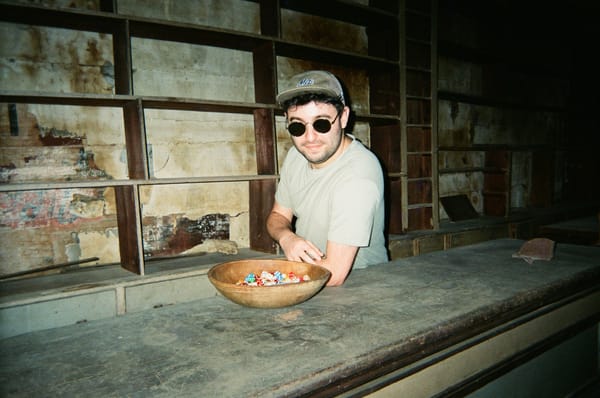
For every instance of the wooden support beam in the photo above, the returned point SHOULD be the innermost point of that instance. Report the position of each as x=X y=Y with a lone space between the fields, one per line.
x=129 y=225
x=262 y=195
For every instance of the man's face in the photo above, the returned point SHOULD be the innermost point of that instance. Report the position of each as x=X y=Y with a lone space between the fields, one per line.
x=320 y=149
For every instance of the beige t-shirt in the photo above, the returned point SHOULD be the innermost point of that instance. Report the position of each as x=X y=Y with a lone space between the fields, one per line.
x=342 y=202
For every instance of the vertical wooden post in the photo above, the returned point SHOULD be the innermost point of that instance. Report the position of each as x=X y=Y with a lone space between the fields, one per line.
x=127 y=197
x=129 y=224
x=270 y=18
x=264 y=132
x=403 y=114
x=542 y=179
x=128 y=204
x=262 y=192
x=122 y=59
x=265 y=74
x=435 y=194
x=135 y=140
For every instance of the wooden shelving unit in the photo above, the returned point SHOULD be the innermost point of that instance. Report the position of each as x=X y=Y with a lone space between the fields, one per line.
x=512 y=85
x=400 y=65
x=496 y=183
x=419 y=139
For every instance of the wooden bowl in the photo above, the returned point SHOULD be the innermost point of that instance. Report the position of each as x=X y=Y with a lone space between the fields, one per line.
x=225 y=276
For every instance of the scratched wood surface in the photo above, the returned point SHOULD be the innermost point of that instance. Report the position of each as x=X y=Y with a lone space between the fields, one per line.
x=214 y=347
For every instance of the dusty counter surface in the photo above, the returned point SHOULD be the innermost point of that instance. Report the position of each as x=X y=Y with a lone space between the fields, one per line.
x=382 y=318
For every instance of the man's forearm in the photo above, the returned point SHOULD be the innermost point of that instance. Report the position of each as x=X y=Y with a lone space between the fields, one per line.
x=278 y=226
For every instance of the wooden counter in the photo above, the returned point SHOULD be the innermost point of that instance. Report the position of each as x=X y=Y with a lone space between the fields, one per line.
x=579 y=231
x=420 y=310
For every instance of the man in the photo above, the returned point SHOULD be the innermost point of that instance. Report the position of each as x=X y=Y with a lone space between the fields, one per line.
x=330 y=182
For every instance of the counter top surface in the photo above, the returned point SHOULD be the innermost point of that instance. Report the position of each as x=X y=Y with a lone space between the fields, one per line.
x=391 y=313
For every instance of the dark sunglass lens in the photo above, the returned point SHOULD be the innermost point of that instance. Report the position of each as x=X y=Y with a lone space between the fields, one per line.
x=296 y=129
x=322 y=125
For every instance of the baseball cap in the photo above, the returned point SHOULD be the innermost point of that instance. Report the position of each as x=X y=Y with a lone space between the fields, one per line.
x=314 y=81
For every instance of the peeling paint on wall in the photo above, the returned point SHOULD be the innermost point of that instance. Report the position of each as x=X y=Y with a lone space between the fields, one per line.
x=48 y=227
x=51 y=136
x=196 y=200
x=50 y=208
x=171 y=235
x=61 y=143
x=84 y=206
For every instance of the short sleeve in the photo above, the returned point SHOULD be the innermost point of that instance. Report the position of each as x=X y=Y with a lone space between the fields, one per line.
x=353 y=209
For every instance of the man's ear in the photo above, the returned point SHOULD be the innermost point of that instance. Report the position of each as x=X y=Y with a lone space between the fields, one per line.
x=345 y=116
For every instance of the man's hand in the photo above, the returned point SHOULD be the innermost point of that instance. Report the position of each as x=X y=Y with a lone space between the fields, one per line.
x=339 y=261
x=339 y=257
x=299 y=249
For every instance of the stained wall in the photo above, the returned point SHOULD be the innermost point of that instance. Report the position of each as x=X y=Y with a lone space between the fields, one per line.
x=58 y=143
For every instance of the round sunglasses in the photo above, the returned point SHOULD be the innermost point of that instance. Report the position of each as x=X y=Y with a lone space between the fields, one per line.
x=320 y=125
